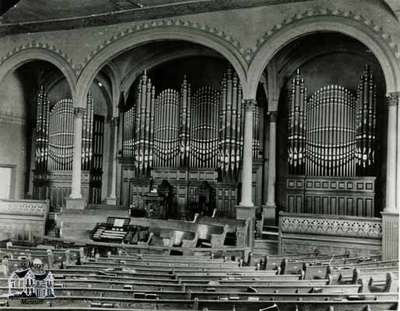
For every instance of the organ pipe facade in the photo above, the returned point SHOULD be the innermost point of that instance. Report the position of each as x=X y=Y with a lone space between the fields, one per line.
x=333 y=132
x=331 y=149
x=54 y=132
x=203 y=129
x=187 y=137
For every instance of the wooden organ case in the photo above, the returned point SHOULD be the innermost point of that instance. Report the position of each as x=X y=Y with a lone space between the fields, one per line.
x=53 y=139
x=190 y=139
x=331 y=149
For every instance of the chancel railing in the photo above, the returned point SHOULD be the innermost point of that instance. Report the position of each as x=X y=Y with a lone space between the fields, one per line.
x=186 y=137
x=54 y=134
x=307 y=233
x=331 y=148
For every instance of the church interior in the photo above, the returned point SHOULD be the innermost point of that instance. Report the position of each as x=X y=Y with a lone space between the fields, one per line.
x=206 y=155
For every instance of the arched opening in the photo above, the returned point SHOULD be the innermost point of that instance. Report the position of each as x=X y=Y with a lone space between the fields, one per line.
x=38 y=159
x=180 y=122
x=20 y=89
x=328 y=92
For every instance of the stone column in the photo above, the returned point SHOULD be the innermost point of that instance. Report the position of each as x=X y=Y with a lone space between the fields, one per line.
x=246 y=209
x=247 y=166
x=75 y=200
x=390 y=215
x=269 y=212
x=112 y=196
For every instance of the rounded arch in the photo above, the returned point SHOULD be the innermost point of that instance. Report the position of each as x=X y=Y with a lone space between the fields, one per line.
x=25 y=56
x=346 y=26
x=160 y=34
x=154 y=61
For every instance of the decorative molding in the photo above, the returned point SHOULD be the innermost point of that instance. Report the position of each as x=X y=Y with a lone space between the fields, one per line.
x=38 y=45
x=11 y=118
x=338 y=226
x=163 y=24
x=273 y=116
x=24 y=207
x=114 y=121
x=79 y=112
x=393 y=99
x=250 y=53
x=249 y=104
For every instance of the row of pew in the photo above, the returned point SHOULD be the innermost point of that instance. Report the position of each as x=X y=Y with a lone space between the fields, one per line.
x=95 y=280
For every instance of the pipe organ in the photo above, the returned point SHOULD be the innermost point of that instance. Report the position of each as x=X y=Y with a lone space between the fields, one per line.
x=331 y=148
x=186 y=137
x=54 y=147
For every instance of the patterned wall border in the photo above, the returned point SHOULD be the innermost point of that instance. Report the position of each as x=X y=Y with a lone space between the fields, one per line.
x=24 y=207
x=340 y=226
x=162 y=24
x=38 y=45
x=250 y=53
x=247 y=53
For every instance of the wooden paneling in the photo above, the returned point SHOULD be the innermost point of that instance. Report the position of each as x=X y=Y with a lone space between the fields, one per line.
x=331 y=195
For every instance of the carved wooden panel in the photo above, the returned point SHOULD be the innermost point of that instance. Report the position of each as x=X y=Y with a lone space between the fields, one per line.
x=302 y=233
x=23 y=219
x=331 y=195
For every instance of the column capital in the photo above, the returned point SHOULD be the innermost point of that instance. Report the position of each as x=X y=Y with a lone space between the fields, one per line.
x=79 y=112
x=273 y=116
x=393 y=99
x=114 y=121
x=249 y=104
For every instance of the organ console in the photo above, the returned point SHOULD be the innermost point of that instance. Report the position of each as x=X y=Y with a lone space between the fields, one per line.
x=331 y=148
x=186 y=137
x=114 y=230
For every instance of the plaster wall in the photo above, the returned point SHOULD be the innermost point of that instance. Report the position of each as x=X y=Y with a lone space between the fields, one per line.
x=12 y=129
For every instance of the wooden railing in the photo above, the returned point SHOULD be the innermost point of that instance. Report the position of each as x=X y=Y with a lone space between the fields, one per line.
x=329 y=234
x=23 y=219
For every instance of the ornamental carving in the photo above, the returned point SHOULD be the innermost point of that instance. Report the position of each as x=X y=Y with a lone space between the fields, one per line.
x=38 y=45
x=250 y=53
x=332 y=226
x=25 y=208
x=162 y=24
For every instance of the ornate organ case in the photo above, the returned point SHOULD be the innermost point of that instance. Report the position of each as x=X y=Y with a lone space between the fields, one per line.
x=331 y=149
x=53 y=142
x=186 y=138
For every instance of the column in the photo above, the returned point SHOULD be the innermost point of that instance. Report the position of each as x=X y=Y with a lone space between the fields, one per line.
x=269 y=211
x=390 y=214
x=246 y=209
x=75 y=200
x=112 y=197
x=247 y=166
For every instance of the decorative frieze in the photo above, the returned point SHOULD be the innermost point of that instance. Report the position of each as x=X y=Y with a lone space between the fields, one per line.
x=24 y=207
x=331 y=225
x=393 y=99
x=311 y=13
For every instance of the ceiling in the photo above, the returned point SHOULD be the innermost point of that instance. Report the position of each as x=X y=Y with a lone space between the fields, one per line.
x=18 y=16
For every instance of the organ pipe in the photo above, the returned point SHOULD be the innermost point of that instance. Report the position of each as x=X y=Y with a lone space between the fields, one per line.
x=333 y=132
x=366 y=123
x=203 y=129
x=42 y=130
x=296 y=139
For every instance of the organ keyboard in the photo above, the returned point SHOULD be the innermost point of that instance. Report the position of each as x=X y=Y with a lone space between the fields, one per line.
x=114 y=230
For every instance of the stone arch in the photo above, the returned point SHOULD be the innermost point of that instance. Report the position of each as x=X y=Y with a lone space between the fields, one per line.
x=155 y=61
x=24 y=56
x=373 y=40
x=135 y=39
